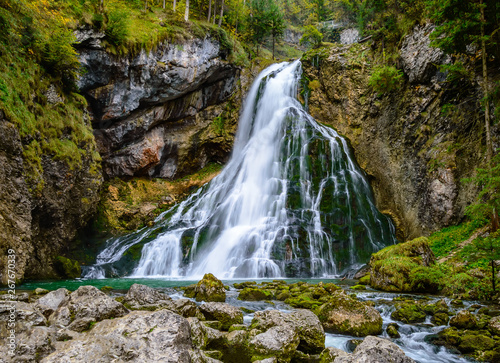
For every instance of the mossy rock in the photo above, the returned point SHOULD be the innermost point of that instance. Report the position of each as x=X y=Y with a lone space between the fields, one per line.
x=409 y=313
x=358 y=287
x=283 y=295
x=242 y=285
x=106 y=289
x=40 y=291
x=237 y=327
x=392 y=330
x=254 y=294
x=304 y=301
x=208 y=289
x=440 y=319
x=464 y=320
x=68 y=268
x=345 y=314
x=365 y=280
x=473 y=342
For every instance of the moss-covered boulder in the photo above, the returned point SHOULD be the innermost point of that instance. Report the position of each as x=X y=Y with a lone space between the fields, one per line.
x=345 y=314
x=255 y=294
x=303 y=301
x=329 y=354
x=494 y=326
x=210 y=288
x=391 y=268
x=392 y=330
x=279 y=341
x=477 y=343
x=68 y=268
x=409 y=312
x=242 y=285
x=440 y=319
x=224 y=313
x=464 y=320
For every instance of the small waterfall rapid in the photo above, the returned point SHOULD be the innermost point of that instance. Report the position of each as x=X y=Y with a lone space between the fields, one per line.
x=291 y=202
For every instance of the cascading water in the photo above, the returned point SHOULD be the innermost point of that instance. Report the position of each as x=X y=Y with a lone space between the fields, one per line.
x=290 y=202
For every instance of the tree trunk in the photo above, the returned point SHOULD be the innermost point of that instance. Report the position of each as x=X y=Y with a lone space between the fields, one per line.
x=175 y=4
x=186 y=13
x=493 y=276
x=273 y=45
x=145 y=5
x=164 y=1
x=209 y=11
x=489 y=144
x=221 y=13
x=215 y=10
x=101 y=7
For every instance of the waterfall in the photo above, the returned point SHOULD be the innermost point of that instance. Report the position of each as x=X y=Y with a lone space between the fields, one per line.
x=291 y=202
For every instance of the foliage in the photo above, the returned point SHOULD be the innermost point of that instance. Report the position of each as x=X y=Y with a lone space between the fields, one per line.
x=385 y=79
x=488 y=199
x=117 y=29
x=312 y=36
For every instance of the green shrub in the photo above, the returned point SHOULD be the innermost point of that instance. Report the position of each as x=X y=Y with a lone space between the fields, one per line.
x=385 y=79
x=117 y=29
x=312 y=36
x=58 y=55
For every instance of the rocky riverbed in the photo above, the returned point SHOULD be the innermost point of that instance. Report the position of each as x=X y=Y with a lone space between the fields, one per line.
x=272 y=321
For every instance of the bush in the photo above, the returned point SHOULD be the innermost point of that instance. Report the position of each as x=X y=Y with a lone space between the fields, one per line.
x=58 y=54
x=117 y=29
x=312 y=36
x=385 y=79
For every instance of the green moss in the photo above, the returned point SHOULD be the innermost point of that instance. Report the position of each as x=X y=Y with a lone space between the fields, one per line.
x=409 y=313
x=254 y=294
x=365 y=280
x=358 y=287
x=68 y=268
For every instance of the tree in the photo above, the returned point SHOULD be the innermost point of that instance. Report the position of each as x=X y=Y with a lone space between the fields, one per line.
x=186 y=12
x=488 y=248
x=276 y=23
x=221 y=13
x=312 y=36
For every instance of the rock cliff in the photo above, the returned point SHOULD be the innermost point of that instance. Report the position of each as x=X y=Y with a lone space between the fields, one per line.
x=416 y=143
x=153 y=112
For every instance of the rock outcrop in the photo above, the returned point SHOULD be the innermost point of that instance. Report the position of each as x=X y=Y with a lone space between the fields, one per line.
x=414 y=143
x=153 y=112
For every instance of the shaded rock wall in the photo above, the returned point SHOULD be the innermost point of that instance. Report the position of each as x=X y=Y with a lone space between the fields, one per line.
x=38 y=225
x=417 y=143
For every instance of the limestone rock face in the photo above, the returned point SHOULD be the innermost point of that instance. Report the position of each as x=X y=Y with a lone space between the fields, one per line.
x=147 y=108
x=52 y=301
x=418 y=57
x=374 y=349
x=141 y=336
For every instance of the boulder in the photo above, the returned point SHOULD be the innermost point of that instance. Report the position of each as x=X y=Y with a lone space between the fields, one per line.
x=254 y=294
x=464 y=320
x=494 y=326
x=51 y=301
x=409 y=312
x=329 y=354
x=210 y=288
x=374 y=349
x=226 y=314
x=142 y=297
x=186 y=308
x=392 y=330
x=304 y=322
x=87 y=304
x=278 y=341
x=205 y=337
x=141 y=336
x=25 y=315
x=344 y=314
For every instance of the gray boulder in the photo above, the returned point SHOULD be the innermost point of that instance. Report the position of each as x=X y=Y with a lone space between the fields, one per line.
x=279 y=341
x=374 y=349
x=141 y=336
x=85 y=305
x=142 y=297
x=52 y=301
x=305 y=323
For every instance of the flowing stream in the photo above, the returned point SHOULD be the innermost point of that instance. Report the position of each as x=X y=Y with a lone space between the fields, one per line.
x=291 y=202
